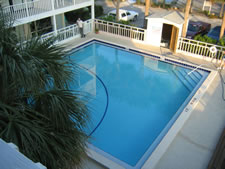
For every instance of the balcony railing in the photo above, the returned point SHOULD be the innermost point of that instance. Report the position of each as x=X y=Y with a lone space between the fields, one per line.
x=68 y=32
x=34 y=7
x=121 y=30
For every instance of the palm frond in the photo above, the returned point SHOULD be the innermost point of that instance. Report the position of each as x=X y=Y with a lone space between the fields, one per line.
x=38 y=111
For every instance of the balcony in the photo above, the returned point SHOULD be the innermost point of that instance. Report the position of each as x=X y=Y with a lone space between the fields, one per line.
x=34 y=7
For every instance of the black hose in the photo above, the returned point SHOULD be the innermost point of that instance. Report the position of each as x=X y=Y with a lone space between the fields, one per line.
x=107 y=98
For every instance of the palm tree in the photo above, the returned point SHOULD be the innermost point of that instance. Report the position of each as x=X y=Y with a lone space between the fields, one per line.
x=117 y=10
x=164 y=3
x=147 y=6
x=38 y=111
x=222 y=7
x=222 y=13
x=187 y=9
x=222 y=26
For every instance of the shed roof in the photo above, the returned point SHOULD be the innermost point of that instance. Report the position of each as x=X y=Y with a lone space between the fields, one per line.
x=172 y=16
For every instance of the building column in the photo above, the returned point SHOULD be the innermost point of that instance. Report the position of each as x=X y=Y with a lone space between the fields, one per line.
x=54 y=24
x=93 y=16
x=27 y=33
x=93 y=11
x=63 y=20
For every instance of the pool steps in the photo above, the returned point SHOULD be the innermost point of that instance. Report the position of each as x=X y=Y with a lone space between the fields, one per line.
x=191 y=80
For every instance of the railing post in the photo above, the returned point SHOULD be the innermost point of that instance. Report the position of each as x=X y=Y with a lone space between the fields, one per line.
x=93 y=11
x=26 y=8
x=54 y=24
x=53 y=4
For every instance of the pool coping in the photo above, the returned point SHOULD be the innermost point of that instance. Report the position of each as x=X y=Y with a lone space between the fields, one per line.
x=155 y=156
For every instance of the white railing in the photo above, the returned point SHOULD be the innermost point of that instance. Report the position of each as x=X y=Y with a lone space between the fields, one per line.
x=199 y=48
x=23 y=10
x=81 y=1
x=121 y=30
x=63 y=3
x=47 y=36
x=34 y=7
x=38 y=6
x=68 y=32
x=16 y=11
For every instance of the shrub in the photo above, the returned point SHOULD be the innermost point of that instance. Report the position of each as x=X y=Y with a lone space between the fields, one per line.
x=108 y=18
x=98 y=11
x=113 y=19
x=222 y=42
x=138 y=2
x=125 y=22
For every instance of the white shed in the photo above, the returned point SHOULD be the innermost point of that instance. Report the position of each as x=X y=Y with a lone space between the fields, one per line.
x=164 y=28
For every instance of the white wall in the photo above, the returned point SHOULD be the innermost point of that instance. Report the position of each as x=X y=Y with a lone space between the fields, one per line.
x=10 y=158
x=60 y=21
x=154 y=30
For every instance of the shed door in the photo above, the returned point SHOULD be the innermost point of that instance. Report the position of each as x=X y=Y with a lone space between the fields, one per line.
x=173 y=40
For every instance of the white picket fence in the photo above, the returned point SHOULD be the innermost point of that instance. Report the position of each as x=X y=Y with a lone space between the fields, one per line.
x=68 y=32
x=34 y=7
x=198 y=48
x=121 y=30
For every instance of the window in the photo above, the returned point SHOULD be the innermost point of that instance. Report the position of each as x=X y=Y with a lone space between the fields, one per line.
x=123 y=14
x=128 y=13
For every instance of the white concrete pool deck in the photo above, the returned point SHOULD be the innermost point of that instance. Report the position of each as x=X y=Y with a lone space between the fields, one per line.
x=194 y=145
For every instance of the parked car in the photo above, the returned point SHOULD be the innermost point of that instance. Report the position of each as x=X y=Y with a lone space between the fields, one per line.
x=196 y=28
x=215 y=33
x=125 y=15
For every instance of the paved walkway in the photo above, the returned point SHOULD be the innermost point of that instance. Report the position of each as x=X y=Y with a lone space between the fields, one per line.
x=193 y=146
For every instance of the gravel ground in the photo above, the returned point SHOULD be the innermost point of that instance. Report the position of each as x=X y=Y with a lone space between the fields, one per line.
x=108 y=6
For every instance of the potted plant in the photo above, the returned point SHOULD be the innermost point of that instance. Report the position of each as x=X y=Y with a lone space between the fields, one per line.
x=96 y=30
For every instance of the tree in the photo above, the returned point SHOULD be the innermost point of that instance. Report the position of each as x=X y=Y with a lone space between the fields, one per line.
x=147 y=6
x=164 y=3
x=38 y=111
x=222 y=8
x=187 y=9
x=117 y=10
x=222 y=26
x=223 y=17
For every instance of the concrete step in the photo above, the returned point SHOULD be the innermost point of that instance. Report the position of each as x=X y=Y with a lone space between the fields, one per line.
x=189 y=80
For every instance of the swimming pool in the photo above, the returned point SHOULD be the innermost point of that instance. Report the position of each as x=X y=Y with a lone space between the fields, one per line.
x=134 y=99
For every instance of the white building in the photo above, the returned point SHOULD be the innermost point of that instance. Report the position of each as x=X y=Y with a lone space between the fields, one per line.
x=47 y=17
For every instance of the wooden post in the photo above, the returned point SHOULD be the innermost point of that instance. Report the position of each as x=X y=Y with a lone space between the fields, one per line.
x=147 y=5
x=222 y=7
x=222 y=26
x=187 y=9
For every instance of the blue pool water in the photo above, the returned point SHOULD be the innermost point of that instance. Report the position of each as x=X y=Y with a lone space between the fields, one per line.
x=134 y=98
